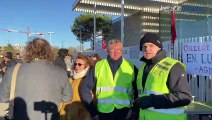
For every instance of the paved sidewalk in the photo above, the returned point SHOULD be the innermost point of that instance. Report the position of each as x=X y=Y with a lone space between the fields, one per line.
x=196 y=117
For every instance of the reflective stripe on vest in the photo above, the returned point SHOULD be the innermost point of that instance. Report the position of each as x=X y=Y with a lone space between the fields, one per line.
x=157 y=77
x=116 y=88
x=169 y=111
x=179 y=110
x=119 y=101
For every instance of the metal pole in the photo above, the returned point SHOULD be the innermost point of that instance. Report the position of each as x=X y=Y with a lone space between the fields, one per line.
x=28 y=32
x=50 y=37
x=82 y=46
x=80 y=41
x=94 y=29
x=122 y=21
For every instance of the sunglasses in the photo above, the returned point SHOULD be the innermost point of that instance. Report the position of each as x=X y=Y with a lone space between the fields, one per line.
x=79 y=64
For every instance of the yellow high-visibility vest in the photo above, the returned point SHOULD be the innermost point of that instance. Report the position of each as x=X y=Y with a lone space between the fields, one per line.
x=156 y=84
x=114 y=92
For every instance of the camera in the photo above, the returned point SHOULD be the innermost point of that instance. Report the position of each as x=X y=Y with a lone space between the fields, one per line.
x=45 y=107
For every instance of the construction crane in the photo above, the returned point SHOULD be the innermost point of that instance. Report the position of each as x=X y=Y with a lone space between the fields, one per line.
x=24 y=32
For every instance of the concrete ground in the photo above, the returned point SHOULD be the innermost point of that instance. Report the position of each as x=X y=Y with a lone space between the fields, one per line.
x=196 y=117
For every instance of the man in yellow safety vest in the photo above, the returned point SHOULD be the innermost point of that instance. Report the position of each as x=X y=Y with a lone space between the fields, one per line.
x=114 y=82
x=163 y=89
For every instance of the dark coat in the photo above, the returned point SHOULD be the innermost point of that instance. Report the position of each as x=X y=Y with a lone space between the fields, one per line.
x=59 y=61
x=180 y=93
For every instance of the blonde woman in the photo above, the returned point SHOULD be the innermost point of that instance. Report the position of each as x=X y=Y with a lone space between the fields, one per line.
x=75 y=110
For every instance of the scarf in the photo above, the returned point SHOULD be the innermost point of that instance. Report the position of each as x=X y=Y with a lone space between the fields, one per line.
x=80 y=74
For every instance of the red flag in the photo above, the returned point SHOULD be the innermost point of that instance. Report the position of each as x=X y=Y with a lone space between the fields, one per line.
x=173 y=28
x=104 y=44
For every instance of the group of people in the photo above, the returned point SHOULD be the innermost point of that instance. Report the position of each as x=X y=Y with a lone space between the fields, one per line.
x=108 y=89
x=66 y=61
x=159 y=90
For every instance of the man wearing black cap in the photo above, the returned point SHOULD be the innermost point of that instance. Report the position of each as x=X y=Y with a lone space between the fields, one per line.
x=162 y=83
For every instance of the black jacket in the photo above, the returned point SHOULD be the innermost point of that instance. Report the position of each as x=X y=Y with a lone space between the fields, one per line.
x=59 y=61
x=9 y=64
x=180 y=94
x=89 y=84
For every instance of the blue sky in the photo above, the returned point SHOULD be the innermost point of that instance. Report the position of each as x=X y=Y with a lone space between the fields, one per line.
x=41 y=16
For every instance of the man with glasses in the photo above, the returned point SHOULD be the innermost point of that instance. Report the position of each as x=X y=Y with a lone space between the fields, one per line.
x=113 y=81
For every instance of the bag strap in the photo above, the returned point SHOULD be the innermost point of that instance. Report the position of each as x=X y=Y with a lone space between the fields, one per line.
x=12 y=89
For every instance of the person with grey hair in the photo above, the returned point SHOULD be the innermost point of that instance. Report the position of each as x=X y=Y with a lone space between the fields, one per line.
x=40 y=85
x=114 y=84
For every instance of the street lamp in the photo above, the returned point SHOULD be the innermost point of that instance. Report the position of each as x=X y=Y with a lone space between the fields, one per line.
x=81 y=40
x=50 y=37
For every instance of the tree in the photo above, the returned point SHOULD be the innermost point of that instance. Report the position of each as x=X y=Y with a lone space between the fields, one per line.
x=9 y=48
x=72 y=50
x=55 y=50
x=83 y=27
